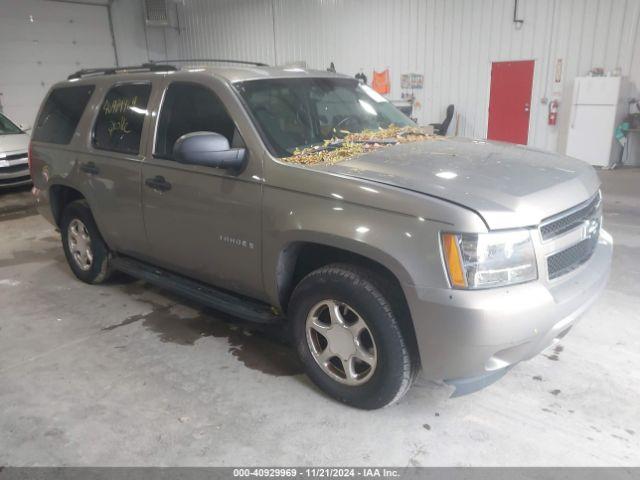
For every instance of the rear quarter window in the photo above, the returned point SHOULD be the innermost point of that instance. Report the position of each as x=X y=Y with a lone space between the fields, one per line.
x=61 y=113
x=118 y=127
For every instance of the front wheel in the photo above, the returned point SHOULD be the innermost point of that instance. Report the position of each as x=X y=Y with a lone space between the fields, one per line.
x=348 y=338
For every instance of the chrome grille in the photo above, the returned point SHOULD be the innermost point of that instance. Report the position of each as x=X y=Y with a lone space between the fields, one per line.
x=566 y=221
x=11 y=181
x=580 y=230
x=14 y=156
x=14 y=168
x=571 y=258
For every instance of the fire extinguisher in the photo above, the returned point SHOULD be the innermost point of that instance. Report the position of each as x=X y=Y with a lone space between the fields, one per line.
x=553 y=112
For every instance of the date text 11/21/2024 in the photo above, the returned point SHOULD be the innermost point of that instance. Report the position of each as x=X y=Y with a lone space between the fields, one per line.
x=319 y=472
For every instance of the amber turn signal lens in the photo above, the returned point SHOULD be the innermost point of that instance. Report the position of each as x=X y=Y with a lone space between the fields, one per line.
x=453 y=259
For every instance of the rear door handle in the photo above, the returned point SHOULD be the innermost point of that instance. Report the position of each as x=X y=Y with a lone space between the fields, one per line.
x=90 y=168
x=158 y=183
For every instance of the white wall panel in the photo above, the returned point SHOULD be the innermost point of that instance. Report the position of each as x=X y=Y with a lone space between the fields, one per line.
x=452 y=42
x=41 y=43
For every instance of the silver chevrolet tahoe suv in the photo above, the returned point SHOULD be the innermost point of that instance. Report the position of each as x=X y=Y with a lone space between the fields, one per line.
x=452 y=258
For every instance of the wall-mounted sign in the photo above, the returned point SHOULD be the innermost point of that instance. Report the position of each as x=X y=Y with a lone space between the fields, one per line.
x=558 y=75
x=411 y=81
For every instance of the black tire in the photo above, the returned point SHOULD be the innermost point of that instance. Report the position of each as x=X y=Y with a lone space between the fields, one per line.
x=361 y=290
x=100 y=268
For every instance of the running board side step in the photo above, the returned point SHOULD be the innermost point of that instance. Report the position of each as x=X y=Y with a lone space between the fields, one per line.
x=243 y=307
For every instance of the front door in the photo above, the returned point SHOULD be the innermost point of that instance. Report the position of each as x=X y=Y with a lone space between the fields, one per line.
x=202 y=222
x=510 y=101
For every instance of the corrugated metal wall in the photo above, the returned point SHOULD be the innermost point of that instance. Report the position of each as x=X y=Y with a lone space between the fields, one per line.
x=452 y=42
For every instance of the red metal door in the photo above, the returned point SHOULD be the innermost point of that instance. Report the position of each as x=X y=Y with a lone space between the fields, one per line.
x=510 y=101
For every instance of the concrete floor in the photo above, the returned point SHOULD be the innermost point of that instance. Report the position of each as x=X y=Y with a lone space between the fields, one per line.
x=124 y=374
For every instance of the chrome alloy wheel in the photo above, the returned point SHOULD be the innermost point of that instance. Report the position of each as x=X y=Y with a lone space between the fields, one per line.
x=80 y=244
x=341 y=342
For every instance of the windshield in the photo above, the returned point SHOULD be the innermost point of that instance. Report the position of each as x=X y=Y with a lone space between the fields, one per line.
x=296 y=113
x=7 y=127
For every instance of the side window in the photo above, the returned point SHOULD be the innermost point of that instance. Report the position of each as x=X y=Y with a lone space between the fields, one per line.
x=118 y=127
x=61 y=113
x=187 y=108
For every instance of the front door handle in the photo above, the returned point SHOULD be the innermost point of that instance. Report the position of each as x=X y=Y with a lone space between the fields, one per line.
x=158 y=183
x=90 y=168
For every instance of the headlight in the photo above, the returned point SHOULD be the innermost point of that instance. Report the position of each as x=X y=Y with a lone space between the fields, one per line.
x=483 y=260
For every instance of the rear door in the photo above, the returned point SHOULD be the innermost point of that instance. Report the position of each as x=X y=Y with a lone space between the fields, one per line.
x=109 y=170
x=203 y=222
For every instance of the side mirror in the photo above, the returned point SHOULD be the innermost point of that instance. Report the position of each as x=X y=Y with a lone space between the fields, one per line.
x=25 y=127
x=208 y=149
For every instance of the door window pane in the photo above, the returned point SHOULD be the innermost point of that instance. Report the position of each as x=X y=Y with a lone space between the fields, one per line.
x=61 y=113
x=119 y=124
x=188 y=108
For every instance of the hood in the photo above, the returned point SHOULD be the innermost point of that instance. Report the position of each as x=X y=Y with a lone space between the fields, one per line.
x=17 y=143
x=508 y=185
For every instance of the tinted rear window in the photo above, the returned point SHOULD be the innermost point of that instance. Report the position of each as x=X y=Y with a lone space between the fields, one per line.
x=119 y=124
x=61 y=113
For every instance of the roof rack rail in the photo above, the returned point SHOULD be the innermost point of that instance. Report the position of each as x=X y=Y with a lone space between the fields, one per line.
x=145 y=67
x=215 y=60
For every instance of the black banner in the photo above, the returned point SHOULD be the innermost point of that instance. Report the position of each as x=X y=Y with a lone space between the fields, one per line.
x=214 y=473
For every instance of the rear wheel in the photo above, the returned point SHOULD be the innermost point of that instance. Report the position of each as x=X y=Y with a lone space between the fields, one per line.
x=348 y=337
x=85 y=250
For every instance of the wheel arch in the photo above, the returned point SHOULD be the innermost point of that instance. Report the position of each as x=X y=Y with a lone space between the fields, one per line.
x=60 y=196
x=299 y=258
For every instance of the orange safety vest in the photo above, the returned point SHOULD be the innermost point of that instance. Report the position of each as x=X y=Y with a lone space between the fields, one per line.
x=381 y=82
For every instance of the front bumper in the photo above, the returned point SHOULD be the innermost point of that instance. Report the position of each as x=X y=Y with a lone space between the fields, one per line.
x=14 y=173
x=464 y=335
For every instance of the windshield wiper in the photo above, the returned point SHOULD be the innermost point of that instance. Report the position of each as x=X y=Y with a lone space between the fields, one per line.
x=321 y=146
x=339 y=142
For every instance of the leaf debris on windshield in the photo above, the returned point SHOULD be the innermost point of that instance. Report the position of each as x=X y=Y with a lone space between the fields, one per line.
x=336 y=150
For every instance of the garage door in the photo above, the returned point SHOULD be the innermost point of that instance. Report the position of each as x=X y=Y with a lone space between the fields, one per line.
x=41 y=42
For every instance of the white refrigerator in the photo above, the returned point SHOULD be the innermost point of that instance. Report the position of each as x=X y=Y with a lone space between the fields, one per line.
x=599 y=104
